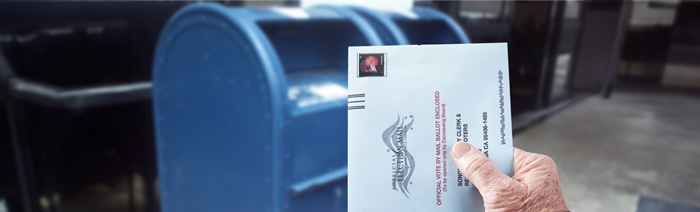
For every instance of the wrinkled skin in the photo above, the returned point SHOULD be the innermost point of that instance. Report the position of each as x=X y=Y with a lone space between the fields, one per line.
x=533 y=187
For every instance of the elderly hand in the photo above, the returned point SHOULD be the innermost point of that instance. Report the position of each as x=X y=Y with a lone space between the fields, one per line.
x=533 y=187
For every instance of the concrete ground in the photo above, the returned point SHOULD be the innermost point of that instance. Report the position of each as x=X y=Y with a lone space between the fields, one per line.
x=611 y=152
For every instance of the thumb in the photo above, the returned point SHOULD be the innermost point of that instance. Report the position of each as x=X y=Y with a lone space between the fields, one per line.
x=476 y=167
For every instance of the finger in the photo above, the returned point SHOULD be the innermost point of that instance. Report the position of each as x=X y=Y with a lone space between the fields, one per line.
x=517 y=151
x=481 y=171
x=518 y=159
x=524 y=162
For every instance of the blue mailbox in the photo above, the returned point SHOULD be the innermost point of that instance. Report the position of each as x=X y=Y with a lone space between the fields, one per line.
x=417 y=26
x=250 y=107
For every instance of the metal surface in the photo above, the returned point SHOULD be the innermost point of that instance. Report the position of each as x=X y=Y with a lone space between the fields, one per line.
x=597 y=53
x=12 y=86
x=417 y=26
x=28 y=192
x=614 y=61
x=250 y=106
x=321 y=181
x=56 y=97
x=81 y=58
x=24 y=176
x=554 y=22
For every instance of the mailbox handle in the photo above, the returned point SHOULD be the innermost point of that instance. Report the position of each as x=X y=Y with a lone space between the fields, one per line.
x=320 y=181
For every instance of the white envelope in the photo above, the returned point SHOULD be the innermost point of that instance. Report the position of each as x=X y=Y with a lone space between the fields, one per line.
x=407 y=106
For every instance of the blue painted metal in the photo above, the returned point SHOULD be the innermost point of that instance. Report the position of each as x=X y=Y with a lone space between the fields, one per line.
x=417 y=26
x=250 y=107
x=249 y=102
x=320 y=181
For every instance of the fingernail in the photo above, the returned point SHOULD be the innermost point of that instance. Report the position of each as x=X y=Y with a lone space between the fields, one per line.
x=460 y=149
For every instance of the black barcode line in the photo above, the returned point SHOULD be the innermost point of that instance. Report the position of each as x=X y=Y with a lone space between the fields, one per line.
x=356 y=107
x=356 y=95
x=356 y=101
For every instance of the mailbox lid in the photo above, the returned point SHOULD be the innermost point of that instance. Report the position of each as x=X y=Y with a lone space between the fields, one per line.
x=417 y=26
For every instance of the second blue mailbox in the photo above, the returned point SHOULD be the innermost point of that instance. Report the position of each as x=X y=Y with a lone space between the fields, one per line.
x=250 y=107
x=416 y=26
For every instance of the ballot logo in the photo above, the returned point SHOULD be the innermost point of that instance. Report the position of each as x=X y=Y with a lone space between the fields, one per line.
x=402 y=163
x=371 y=65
